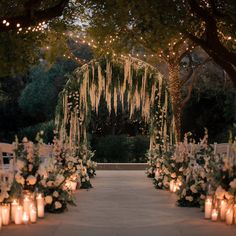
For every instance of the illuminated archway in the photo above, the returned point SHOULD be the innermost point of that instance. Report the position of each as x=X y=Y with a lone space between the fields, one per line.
x=118 y=79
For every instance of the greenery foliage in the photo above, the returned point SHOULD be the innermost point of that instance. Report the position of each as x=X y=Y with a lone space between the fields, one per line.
x=129 y=149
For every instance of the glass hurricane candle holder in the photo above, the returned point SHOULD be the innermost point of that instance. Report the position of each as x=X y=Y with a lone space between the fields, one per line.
x=214 y=215
x=18 y=215
x=25 y=218
x=208 y=207
x=0 y=217
x=33 y=214
x=223 y=208
x=5 y=214
x=40 y=205
x=172 y=183
x=14 y=205
x=229 y=217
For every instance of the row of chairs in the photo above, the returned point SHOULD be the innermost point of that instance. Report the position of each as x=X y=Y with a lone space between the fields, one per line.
x=7 y=158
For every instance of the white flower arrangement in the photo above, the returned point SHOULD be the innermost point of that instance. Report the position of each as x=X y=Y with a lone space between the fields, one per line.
x=27 y=163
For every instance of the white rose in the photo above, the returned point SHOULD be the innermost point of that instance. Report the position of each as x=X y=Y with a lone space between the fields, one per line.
x=55 y=194
x=173 y=175
x=202 y=196
x=57 y=205
x=43 y=182
x=193 y=188
x=48 y=199
x=59 y=179
x=30 y=166
x=31 y=180
x=24 y=140
x=19 y=179
x=233 y=184
x=189 y=198
x=50 y=183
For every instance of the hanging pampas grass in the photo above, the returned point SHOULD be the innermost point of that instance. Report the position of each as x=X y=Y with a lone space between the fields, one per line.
x=91 y=82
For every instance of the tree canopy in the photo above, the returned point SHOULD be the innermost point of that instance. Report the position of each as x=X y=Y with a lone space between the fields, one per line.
x=157 y=25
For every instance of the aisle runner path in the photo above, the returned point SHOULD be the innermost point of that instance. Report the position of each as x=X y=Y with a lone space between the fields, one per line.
x=123 y=203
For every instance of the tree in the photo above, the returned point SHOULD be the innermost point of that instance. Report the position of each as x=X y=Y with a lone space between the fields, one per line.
x=208 y=23
x=32 y=30
x=161 y=28
x=39 y=97
x=20 y=14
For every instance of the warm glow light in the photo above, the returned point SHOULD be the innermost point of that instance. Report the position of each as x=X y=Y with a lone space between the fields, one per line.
x=25 y=218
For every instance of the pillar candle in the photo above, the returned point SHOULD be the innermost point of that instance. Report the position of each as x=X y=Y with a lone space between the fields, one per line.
x=229 y=216
x=33 y=214
x=26 y=205
x=174 y=187
x=25 y=218
x=14 y=205
x=40 y=205
x=18 y=215
x=0 y=217
x=208 y=207
x=5 y=214
x=235 y=213
x=73 y=185
x=223 y=209
x=214 y=215
x=172 y=182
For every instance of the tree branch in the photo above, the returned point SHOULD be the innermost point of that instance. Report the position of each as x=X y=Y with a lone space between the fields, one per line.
x=33 y=16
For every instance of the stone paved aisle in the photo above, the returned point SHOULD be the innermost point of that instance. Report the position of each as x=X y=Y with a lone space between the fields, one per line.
x=123 y=203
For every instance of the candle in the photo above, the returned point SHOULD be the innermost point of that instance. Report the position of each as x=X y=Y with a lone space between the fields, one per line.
x=18 y=215
x=73 y=185
x=25 y=218
x=5 y=214
x=0 y=217
x=208 y=207
x=172 y=182
x=14 y=205
x=214 y=215
x=40 y=205
x=33 y=214
x=235 y=213
x=174 y=188
x=26 y=205
x=229 y=216
x=223 y=209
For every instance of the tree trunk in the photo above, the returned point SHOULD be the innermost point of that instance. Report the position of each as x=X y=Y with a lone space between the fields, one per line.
x=174 y=88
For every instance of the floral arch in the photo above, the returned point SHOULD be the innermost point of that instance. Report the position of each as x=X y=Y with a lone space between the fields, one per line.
x=117 y=79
